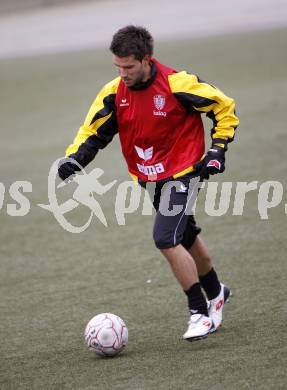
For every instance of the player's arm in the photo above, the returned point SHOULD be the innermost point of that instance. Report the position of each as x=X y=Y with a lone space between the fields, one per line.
x=198 y=96
x=96 y=133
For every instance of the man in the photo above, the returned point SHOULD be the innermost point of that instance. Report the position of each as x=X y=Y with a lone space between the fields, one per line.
x=157 y=113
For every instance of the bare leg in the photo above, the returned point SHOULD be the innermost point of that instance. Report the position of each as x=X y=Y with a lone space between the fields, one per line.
x=199 y=253
x=182 y=265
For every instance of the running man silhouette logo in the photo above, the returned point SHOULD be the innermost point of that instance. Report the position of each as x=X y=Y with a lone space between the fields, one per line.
x=88 y=185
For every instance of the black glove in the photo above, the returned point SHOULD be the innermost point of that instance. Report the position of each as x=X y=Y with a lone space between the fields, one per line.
x=212 y=163
x=67 y=168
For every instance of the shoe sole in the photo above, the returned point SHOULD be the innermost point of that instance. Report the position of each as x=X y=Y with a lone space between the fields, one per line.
x=190 y=339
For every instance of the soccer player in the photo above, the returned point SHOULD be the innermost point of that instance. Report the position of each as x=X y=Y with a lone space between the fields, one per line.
x=156 y=111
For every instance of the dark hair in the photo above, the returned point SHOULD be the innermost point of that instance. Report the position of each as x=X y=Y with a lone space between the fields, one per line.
x=132 y=40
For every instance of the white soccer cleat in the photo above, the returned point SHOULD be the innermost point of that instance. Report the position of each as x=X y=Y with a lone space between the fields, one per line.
x=199 y=326
x=215 y=307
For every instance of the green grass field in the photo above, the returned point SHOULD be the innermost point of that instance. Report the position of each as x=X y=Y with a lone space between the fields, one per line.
x=52 y=282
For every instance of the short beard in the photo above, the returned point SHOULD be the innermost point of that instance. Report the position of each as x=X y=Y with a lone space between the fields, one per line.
x=140 y=78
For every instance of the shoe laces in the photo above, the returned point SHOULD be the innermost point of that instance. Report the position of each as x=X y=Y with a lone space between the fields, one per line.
x=194 y=318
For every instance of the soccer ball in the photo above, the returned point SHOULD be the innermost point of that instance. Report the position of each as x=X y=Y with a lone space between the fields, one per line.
x=106 y=334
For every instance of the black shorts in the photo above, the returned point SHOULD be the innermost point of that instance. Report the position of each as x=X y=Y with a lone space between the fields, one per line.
x=173 y=200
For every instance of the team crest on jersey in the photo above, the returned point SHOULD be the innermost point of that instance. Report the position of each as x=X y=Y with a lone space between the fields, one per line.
x=159 y=102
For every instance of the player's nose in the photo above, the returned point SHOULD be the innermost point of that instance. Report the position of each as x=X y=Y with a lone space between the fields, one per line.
x=123 y=73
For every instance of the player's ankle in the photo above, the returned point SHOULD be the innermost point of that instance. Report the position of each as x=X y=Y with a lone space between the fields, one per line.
x=196 y=300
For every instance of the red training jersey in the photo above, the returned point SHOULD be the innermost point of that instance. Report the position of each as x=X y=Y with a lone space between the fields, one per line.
x=159 y=123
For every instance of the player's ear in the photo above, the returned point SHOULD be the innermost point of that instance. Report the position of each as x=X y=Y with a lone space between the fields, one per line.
x=146 y=59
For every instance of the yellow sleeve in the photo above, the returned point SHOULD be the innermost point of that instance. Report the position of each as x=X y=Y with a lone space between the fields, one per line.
x=197 y=95
x=99 y=127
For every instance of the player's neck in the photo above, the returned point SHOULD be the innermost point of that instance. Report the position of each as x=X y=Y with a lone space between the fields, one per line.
x=147 y=73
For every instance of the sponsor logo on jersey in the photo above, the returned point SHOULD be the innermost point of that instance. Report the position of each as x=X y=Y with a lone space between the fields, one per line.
x=151 y=170
x=148 y=170
x=124 y=103
x=145 y=154
x=159 y=102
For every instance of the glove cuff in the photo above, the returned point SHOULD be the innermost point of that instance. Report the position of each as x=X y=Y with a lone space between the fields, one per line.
x=219 y=143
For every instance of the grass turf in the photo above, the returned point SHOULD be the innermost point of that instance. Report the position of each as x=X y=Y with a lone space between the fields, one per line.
x=52 y=282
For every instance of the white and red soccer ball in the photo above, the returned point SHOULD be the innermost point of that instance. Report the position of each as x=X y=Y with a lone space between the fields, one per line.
x=106 y=334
